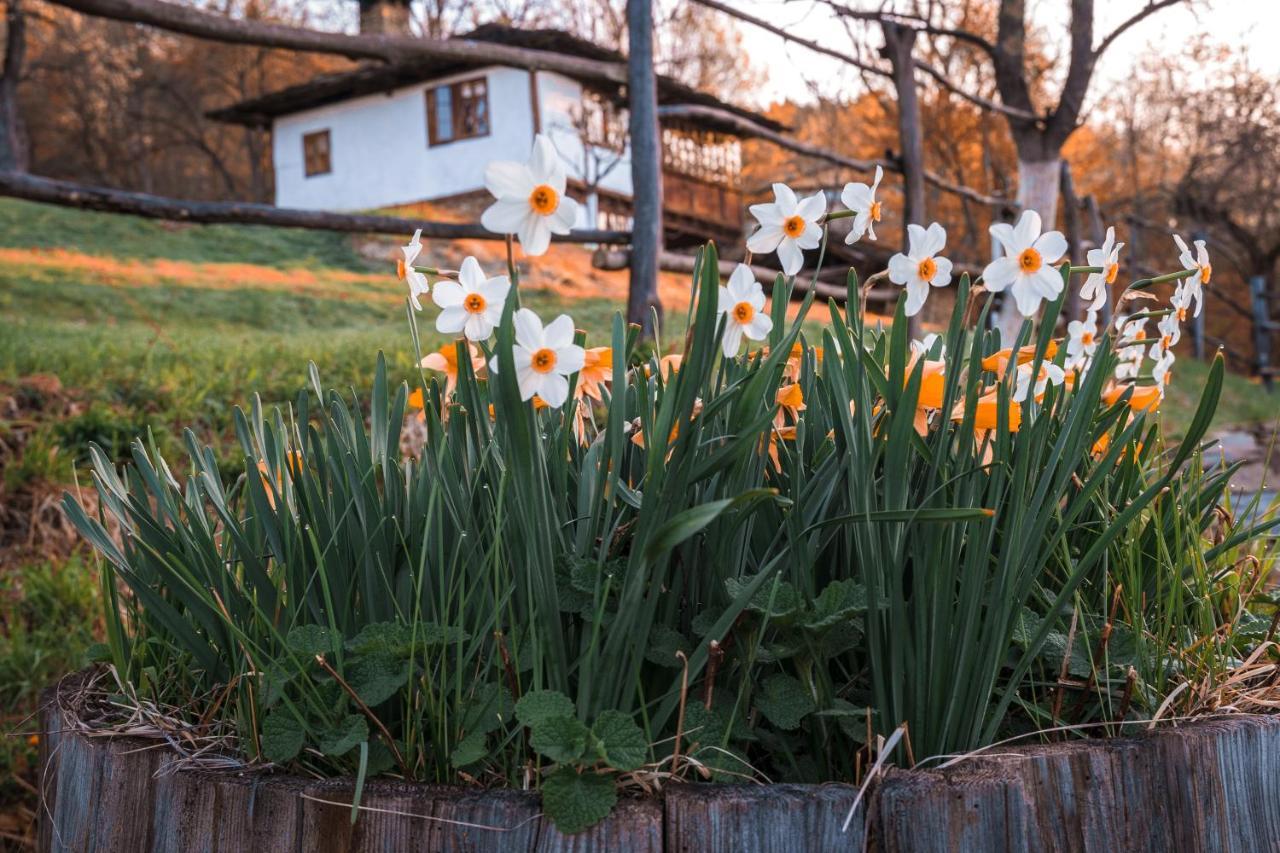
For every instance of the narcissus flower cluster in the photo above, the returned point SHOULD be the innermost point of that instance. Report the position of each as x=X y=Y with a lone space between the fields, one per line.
x=1031 y=267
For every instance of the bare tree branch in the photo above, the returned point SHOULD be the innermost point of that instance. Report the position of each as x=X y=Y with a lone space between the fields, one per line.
x=915 y=22
x=68 y=194
x=1152 y=6
x=779 y=31
x=750 y=128
x=939 y=76
x=193 y=22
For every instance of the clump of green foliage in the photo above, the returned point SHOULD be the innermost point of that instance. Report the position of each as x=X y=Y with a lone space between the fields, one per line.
x=681 y=582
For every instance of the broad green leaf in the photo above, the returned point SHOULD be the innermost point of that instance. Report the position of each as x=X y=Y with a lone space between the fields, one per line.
x=562 y=739
x=575 y=801
x=469 y=750
x=376 y=677
x=538 y=705
x=344 y=737
x=784 y=701
x=620 y=742
x=312 y=640
x=282 y=736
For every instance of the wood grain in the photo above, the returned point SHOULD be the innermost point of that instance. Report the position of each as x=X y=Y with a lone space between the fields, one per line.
x=1207 y=786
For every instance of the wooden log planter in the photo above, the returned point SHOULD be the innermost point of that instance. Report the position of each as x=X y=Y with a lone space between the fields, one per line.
x=1205 y=786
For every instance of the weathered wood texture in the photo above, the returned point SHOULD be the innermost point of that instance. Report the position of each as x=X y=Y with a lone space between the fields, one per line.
x=84 y=197
x=1207 y=786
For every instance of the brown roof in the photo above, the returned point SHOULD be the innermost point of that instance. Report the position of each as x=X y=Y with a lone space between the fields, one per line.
x=373 y=79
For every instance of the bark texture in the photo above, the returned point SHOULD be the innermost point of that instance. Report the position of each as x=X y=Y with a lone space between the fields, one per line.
x=67 y=194
x=646 y=169
x=1205 y=786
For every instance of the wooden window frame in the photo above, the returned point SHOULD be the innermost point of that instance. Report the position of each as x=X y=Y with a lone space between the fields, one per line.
x=456 y=129
x=310 y=168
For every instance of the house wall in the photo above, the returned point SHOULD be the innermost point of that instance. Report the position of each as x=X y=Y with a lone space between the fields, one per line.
x=379 y=154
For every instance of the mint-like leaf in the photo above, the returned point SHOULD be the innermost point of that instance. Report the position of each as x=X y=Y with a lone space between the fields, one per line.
x=575 y=801
x=469 y=750
x=784 y=701
x=282 y=736
x=562 y=739
x=312 y=640
x=345 y=736
x=376 y=677
x=539 y=705
x=619 y=741
x=486 y=710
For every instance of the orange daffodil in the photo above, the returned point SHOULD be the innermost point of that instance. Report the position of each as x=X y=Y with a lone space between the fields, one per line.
x=788 y=226
x=861 y=199
x=1193 y=287
x=1026 y=268
x=471 y=305
x=920 y=267
x=742 y=304
x=416 y=281
x=445 y=360
x=597 y=370
x=933 y=381
x=1107 y=257
x=790 y=402
x=530 y=198
x=545 y=357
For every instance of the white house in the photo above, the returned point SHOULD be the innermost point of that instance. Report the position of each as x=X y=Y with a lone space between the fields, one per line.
x=384 y=136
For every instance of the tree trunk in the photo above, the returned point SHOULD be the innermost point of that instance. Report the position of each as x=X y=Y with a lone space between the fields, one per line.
x=13 y=149
x=899 y=42
x=646 y=169
x=1038 y=184
x=1075 y=240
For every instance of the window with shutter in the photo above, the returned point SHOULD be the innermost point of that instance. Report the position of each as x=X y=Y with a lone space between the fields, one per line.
x=458 y=111
x=316 y=153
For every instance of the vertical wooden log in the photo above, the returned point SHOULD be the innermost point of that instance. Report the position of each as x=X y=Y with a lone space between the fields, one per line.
x=899 y=43
x=1261 y=329
x=790 y=818
x=1074 y=233
x=13 y=157
x=646 y=168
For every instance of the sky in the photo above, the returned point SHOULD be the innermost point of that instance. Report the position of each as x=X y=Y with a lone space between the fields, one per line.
x=792 y=71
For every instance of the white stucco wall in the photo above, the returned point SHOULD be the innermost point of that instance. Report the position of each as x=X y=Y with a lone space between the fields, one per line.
x=559 y=98
x=380 y=157
x=379 y=151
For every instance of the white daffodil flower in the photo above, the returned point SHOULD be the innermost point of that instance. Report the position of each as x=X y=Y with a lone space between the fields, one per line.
x=861 y=199
x=788 y=226
x=1128 y=350
x=1161 y=371
x=530 y=198
x=1193 y=287
x=417 y=281
x=1026 y=266
x=742 y=303
x=925 y=347
x=545 y=357
x=918 y=268
x=1107 y=257
x=1049 y=372
x=472 y=304
x=1170 y=333
x=1082 y=337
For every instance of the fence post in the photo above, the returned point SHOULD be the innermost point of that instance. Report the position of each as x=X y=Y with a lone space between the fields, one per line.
x=1261 y=328
x=646 y=168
